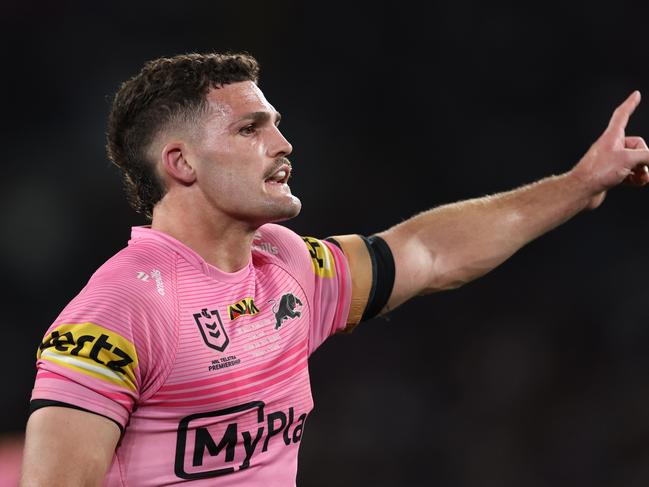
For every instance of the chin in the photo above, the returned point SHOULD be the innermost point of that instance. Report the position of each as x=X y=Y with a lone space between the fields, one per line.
x=275 y=212
x=288 y=211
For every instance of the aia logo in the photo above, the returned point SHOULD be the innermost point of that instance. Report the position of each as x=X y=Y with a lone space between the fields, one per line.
x=244 y=307
x=286 y=309
x=212 y=330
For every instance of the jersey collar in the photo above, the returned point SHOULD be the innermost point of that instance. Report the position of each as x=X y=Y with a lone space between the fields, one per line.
x=147 y=233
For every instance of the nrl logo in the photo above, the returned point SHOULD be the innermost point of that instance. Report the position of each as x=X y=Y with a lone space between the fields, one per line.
x=212 y=329
x=244 y=307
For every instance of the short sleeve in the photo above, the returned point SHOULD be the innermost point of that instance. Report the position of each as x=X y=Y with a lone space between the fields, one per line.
x=331 y=290
x=322 y=272
x=97 y=355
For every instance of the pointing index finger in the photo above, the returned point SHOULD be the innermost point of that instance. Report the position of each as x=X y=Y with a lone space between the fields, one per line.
x=621 y=115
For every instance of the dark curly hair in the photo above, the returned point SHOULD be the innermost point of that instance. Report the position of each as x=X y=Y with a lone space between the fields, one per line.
x=165 y=92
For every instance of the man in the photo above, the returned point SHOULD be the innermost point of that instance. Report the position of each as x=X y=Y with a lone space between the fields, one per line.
x=184 y=357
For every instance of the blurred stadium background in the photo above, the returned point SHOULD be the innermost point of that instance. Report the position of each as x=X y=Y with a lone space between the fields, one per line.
x=535 y=375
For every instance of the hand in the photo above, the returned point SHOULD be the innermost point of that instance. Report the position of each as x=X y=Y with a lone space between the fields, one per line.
x=614 y=158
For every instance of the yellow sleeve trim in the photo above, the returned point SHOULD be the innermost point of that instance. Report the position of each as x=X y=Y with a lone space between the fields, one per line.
x=92 y=350
x=321 y=258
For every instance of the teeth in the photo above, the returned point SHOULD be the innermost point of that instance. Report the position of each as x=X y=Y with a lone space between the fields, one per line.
x=280 y=175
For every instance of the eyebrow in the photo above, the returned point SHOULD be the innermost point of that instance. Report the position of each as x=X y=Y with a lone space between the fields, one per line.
x=259 y=117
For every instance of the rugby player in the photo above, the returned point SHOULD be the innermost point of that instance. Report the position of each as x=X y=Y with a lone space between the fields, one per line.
x=184 y=358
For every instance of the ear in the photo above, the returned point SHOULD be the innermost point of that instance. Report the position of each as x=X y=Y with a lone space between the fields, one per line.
x=175 y=163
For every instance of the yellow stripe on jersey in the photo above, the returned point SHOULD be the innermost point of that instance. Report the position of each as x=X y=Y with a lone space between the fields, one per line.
x=92 y=350
x=360 y=269
x=321 y=257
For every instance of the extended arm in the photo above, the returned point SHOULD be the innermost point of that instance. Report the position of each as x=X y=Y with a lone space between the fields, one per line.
x=448 y=246
x=67 y=447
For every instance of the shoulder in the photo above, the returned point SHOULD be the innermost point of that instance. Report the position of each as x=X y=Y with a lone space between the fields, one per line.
x=139 y=256
x=278 y=235
x=280 y=245
x=277 y=244
x=308 y=256
x=137 y=283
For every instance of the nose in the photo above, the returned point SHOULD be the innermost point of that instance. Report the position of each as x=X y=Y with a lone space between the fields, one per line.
x=279 y=146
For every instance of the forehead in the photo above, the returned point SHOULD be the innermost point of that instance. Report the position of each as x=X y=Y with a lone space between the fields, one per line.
x=237 y=99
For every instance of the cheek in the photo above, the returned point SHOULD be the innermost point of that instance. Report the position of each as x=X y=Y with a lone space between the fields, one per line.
x=224 y=184
x=232 y=182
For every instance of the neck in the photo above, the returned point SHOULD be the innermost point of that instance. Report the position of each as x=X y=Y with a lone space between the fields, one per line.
x=220 y=241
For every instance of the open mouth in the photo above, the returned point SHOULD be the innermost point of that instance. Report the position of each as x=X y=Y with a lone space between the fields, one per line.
x=280 y=176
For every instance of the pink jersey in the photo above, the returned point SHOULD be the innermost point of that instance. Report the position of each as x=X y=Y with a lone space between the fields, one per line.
x=205 y=371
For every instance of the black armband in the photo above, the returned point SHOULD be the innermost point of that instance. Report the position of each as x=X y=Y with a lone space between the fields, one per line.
x=383 y=272
x=372 y=270
x=37 y=404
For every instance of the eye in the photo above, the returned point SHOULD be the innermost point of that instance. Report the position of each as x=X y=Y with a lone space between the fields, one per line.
x=248 y=130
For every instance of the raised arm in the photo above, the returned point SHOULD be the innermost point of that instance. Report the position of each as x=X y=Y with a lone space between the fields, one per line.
x=448 y=246
x=67 y=447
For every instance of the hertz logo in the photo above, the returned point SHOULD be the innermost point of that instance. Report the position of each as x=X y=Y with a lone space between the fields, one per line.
x=321 y=257
x=92 y=350
x=244 y=307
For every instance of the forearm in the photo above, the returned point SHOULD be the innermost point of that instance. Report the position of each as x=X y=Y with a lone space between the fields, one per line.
x=448 y=246
x=456 y=243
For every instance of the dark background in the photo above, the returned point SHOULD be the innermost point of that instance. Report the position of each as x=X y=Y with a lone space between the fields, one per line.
x=535 y=375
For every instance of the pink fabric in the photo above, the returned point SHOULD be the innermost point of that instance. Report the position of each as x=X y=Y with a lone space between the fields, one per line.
x=217 y=388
